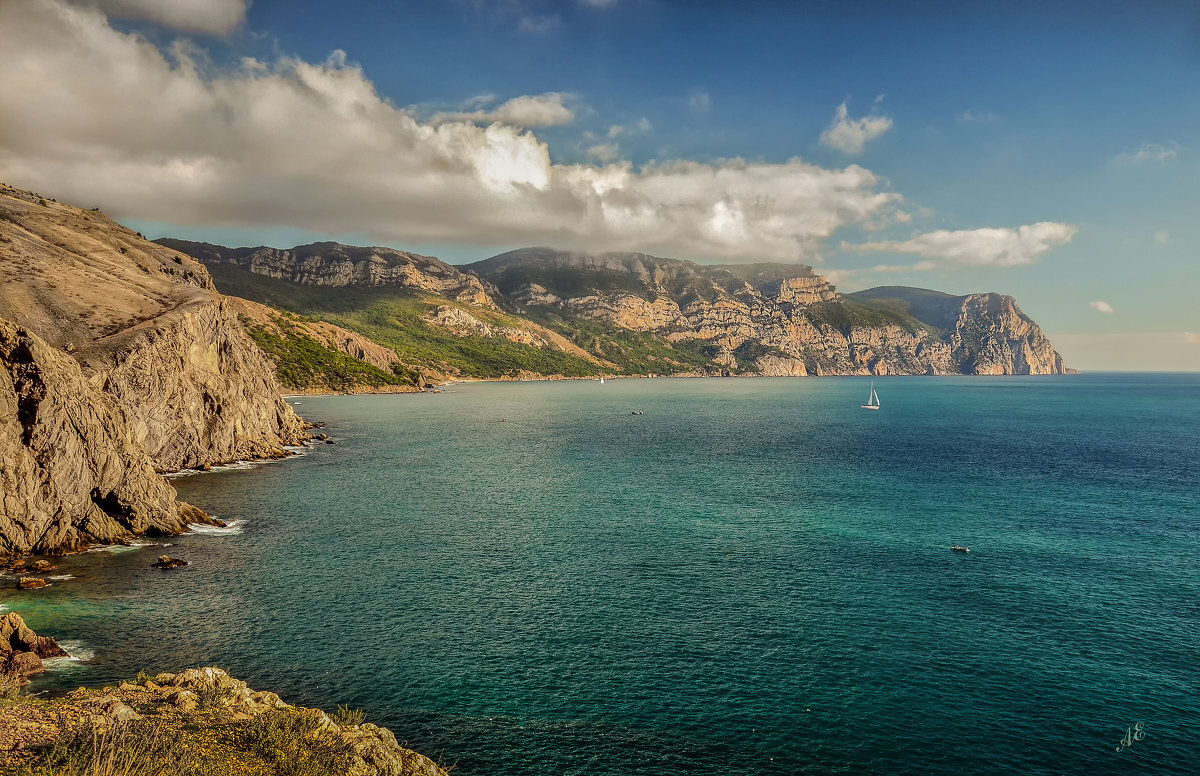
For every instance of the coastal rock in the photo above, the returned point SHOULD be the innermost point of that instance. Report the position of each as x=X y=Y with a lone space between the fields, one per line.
x=30 y=583
x=22 y=650
x=71 y=471
x=147 y=329
x=167 y=562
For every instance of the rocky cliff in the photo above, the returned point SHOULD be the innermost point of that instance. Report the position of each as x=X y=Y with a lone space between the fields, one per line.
x=773 y=319
x=335 y=265
x=148 y=330
x=71 y=471
x=118 y=360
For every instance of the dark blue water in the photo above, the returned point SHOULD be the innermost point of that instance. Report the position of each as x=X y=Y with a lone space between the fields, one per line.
x=752 y=577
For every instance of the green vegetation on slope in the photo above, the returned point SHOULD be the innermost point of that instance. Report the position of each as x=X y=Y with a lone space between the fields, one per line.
x=632 y=352
x=303 y=363
x=844 y=315
x=393 y=317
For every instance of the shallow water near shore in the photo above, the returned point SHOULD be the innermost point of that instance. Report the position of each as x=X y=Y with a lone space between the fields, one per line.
x=752 y=577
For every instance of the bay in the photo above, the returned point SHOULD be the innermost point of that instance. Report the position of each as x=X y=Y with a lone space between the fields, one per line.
x=751 y=577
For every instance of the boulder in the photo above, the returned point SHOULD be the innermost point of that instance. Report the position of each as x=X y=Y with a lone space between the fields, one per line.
x=30 y=583
x=167 y=562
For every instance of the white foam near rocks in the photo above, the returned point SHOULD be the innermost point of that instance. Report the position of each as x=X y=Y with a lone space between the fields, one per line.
x=120 y=547
x=61 y=577
x=78 y=653
x=231 y=527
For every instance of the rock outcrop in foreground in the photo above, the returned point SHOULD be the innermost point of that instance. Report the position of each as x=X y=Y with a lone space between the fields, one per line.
x=204 y=722
x=148 y=330
x=71 y=472
x=22 y=650
x=118 y=361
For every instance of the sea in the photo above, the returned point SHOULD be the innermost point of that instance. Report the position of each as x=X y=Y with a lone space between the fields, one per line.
x=699 y=576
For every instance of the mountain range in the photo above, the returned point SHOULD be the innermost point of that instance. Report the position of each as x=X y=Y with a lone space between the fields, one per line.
x=538 y=311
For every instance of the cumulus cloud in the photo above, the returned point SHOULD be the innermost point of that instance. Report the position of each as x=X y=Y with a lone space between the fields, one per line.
x=1150 y=153
x=700 y=101
x=212 y=17
x=604 y=152
x=982 y=247
x=543 y=110
x=101 y=117
x=849 y=135
x=1102 y=307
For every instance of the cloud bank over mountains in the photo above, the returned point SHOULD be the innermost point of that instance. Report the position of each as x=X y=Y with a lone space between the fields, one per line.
x=103 y=117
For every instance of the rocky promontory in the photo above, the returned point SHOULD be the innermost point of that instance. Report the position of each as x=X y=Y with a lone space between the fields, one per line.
x=118 y=361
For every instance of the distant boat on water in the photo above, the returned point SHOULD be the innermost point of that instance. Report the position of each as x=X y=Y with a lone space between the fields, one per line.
x=872 y=399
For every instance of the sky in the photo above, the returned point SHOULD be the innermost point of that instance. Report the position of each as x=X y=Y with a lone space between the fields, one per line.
x=1048 y=150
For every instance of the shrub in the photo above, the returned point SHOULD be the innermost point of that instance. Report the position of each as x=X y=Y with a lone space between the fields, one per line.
x=291 y=740
x=135 y=748
x=212 y=696
x=346 y=716
x=10 y=686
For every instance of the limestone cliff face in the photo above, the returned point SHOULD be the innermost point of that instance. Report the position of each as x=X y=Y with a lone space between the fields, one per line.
x=71 y=470
x=148 y=330
x=335 y=265
x=774 y=319
x=996 y=338
x=195 y=388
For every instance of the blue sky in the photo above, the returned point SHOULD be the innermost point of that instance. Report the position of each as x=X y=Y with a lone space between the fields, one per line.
x=1046 y=150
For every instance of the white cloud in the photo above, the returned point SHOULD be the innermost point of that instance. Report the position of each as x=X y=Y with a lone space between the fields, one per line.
x=1103 y=307
x=604 y=152
x=543 y=110
x=1150 y=152
x=100 y=117
x=974 y=116
x=639 y=127
x=598 y=3
x=700 y=101
x=213 y=17
x=1162 y=238
x=982 y=247
x=849 y=135
x=539 y=25
x=920 y=266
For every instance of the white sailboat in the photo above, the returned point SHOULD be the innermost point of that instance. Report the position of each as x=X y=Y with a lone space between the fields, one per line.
x=872 y=399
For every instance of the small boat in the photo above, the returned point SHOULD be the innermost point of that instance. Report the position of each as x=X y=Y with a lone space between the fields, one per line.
x=960 y=548
x=872 y=399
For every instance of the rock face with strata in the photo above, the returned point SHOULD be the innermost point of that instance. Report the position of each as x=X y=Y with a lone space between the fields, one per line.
x=336 y=265
x=71 y=470
x=148 y=330
x=775 y=319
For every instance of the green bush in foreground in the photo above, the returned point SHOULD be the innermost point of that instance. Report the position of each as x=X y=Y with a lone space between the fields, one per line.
x=292 y=742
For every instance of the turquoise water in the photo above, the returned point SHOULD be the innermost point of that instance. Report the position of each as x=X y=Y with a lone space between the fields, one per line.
x=752 y=577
